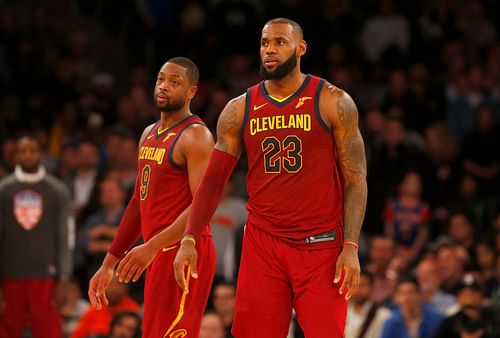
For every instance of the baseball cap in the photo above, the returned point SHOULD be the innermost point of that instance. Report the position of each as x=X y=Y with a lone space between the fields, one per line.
x=470 y=281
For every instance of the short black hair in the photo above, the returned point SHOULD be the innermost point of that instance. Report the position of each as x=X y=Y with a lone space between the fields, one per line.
x=192 y=70
x=122 y=314
x=295 y=26
x=30 y=136
x=409 y=279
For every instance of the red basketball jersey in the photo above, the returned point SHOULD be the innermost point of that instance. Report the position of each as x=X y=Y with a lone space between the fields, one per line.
x=162 y=186
x=293 y=182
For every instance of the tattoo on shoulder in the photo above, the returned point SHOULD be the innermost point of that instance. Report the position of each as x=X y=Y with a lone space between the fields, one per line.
x=347 y=112
x=230 y=121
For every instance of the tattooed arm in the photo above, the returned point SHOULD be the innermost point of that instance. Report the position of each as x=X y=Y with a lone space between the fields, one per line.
x=342 y=115
x=220 y=166
x=229 y=127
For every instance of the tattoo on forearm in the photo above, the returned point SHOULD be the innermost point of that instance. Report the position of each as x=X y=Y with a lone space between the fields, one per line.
x=351 y=153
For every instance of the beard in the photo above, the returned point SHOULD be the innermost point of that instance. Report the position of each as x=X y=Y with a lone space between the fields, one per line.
x=171 y=106
x=281 y=71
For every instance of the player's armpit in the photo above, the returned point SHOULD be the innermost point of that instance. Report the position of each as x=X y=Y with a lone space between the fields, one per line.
x=229 y=138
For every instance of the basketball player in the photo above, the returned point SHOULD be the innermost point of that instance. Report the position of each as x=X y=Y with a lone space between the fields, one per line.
x=307 y=195
x=173 y=155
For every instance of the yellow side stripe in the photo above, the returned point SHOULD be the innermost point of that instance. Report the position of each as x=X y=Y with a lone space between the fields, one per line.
x=181 y=306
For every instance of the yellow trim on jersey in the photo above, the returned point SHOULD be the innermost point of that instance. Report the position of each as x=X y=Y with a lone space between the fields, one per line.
x=181 y=307
x=280 y=100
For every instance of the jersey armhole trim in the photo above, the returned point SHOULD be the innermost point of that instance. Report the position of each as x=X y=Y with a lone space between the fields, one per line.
x=171 y=147
x=316 y=106
x=247 y=111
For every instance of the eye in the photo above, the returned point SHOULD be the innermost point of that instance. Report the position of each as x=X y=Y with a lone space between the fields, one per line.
x=174 y=82
x=264 y=44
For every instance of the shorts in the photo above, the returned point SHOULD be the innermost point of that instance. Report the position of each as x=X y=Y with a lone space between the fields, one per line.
x=275 y=277
x=168 y=312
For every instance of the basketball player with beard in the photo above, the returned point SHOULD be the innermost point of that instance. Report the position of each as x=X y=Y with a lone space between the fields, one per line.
x=173 y=154
x=307 y=195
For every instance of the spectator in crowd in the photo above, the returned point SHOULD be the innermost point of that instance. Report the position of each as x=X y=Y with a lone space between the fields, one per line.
x=100 y=228
x=486 y=264
x=440 y=186
x=429 y=278
x=224 y=298
x=230 y=215
x=97 y=322
x=461 y=232
x=365 y=318
x=125 y=324
x=451 y=260
x=84 y=178
x=212 y=326
x=384 y=31
x=412 y=318
x=389 y=161
x=479 y=161
x=406 y=218
x=470 y=299
x=384 y=268
x=73 y=307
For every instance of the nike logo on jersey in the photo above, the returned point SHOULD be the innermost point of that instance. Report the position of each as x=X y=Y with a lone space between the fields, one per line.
x=168 y=248
x=169 y=135
x=255 y=107
x=302 y=100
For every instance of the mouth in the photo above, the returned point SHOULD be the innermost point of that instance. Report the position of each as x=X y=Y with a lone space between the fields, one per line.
x=270 y=62
x=161 y=98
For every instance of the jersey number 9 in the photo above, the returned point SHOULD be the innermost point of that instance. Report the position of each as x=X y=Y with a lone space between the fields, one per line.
x=145 y=176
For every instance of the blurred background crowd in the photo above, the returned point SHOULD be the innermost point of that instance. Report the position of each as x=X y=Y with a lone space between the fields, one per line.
x=425 y=75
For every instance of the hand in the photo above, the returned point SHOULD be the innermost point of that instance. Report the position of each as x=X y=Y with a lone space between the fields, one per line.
x=347 y=270
x=3 y=304
x=187 y=255
x=135 y=262
x=98 y=285
x=60 y=294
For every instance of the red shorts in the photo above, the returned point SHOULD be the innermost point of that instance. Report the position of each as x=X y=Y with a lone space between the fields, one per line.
x=168 y=312
x=275 y=277
x=29 y=302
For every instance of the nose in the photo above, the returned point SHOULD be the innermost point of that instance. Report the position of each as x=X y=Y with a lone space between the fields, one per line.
x=270 y=49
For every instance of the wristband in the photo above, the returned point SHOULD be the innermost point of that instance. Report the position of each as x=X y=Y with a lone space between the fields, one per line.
x=188 y=238
x=354 y=244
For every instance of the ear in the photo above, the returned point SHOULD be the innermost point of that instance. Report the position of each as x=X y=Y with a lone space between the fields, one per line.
x=301 y=48
x=192 y=92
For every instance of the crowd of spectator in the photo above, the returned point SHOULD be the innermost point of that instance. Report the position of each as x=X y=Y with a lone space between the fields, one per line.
x=425 y=76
